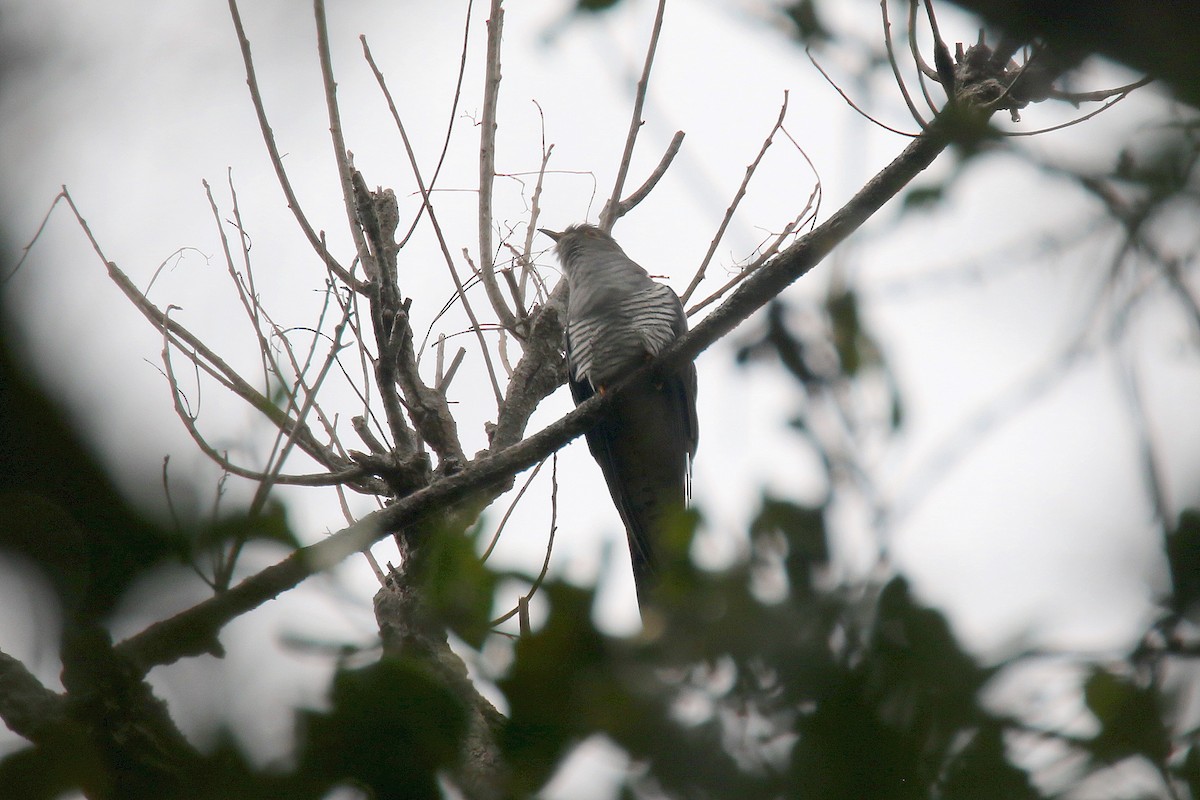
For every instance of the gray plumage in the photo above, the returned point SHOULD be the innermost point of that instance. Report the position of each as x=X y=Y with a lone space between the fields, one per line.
x=618 y=317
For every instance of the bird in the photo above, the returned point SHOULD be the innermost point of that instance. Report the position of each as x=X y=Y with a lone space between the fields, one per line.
x=618 y=318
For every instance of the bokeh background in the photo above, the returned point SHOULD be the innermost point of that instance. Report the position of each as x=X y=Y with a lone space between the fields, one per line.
x=1025 y=366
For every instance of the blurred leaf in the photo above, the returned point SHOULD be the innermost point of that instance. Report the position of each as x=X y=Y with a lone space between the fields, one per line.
x=1183 y=559
x=594 y=6
x=392 y=727
x=459 y=587
x=897 y=417
x=982 y=771
x=227 y=774
x=560 y=682
x=809 y=28
x=921 y=198
x=854 y=346
x=779 y=342
x=1130 y=719
x=268 y=525
x=927 y=682
x=59 y=507
x=53 y=769
x=803 y=528
x=1189 y=770
x=845 y=752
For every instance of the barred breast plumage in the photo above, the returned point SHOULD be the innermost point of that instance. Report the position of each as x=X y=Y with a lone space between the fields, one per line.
x=617 y=318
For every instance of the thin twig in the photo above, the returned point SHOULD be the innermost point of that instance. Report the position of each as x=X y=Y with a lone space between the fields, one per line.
x=522 y=607
x=340 y=156
x=509 y=511
x=248 y=299
x=209 y=360
x=36 y=235
x=664 y=163
x=462 y=71
x=525 y=258
x=852 y=104
x=1076 y=98
x=891 y=55
x=277 y=159
x=923 y=68
x=733 y=205
x=749 y=269
x=487 y=169
x=437 y=228
x=1078 y=120
x=609 y=214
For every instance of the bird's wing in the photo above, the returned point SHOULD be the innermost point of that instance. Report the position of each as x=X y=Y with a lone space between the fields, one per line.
x=644 y=447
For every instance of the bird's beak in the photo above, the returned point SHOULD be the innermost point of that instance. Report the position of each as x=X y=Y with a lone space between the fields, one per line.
x=555 y=235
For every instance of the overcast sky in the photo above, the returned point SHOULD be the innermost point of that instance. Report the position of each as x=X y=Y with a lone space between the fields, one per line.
x=1038 y=532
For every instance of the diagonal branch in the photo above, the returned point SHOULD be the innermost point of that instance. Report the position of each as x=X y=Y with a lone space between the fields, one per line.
x=195 y=631
x=609 y=215
x=27 y=707
x=733 y=205
x=276 y=159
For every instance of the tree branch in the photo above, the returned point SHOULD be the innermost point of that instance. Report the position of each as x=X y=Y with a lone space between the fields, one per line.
x=194 y=631
x=487 y=167
x=612 y=208
x=28 y=708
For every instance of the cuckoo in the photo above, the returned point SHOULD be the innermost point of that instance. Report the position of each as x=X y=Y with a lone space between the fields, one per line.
x=618 y=317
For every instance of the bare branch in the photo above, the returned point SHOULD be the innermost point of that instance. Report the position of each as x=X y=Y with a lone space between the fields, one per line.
x=487 y=169
x=609 y=215
x=428 y=203
x=923 y=69
x=444 y=382
x=462 y=71
x=37 y=235
x=733 y=205
x=340 y=154
x=535 y=209
x=277 y=160
x=1075 y=98
x=1085 y=117
x=851 y=103
x=522 y=606
x=891 y=54
x=27 y=707
x=627 y=205
x=194 y=630
x=511 y=507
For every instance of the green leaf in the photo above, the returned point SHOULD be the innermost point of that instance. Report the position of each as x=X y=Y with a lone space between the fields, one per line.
x=392 y=727
x=982 y=771
x=803 y=527
x=459 y=587
x=1183 y=558
x=809 y=28
x=1129 y=716
x=269 y=525
x=1189 y=770
x=558 y=686
x=922 y=198
x=854 y=346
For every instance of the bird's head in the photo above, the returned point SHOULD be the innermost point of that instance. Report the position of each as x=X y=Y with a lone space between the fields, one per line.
x=577 y=240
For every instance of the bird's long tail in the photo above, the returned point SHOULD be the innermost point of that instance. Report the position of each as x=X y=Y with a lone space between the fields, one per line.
x=642 y=446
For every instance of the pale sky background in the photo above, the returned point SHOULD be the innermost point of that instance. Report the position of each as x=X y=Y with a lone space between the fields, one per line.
x=1040 y=535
